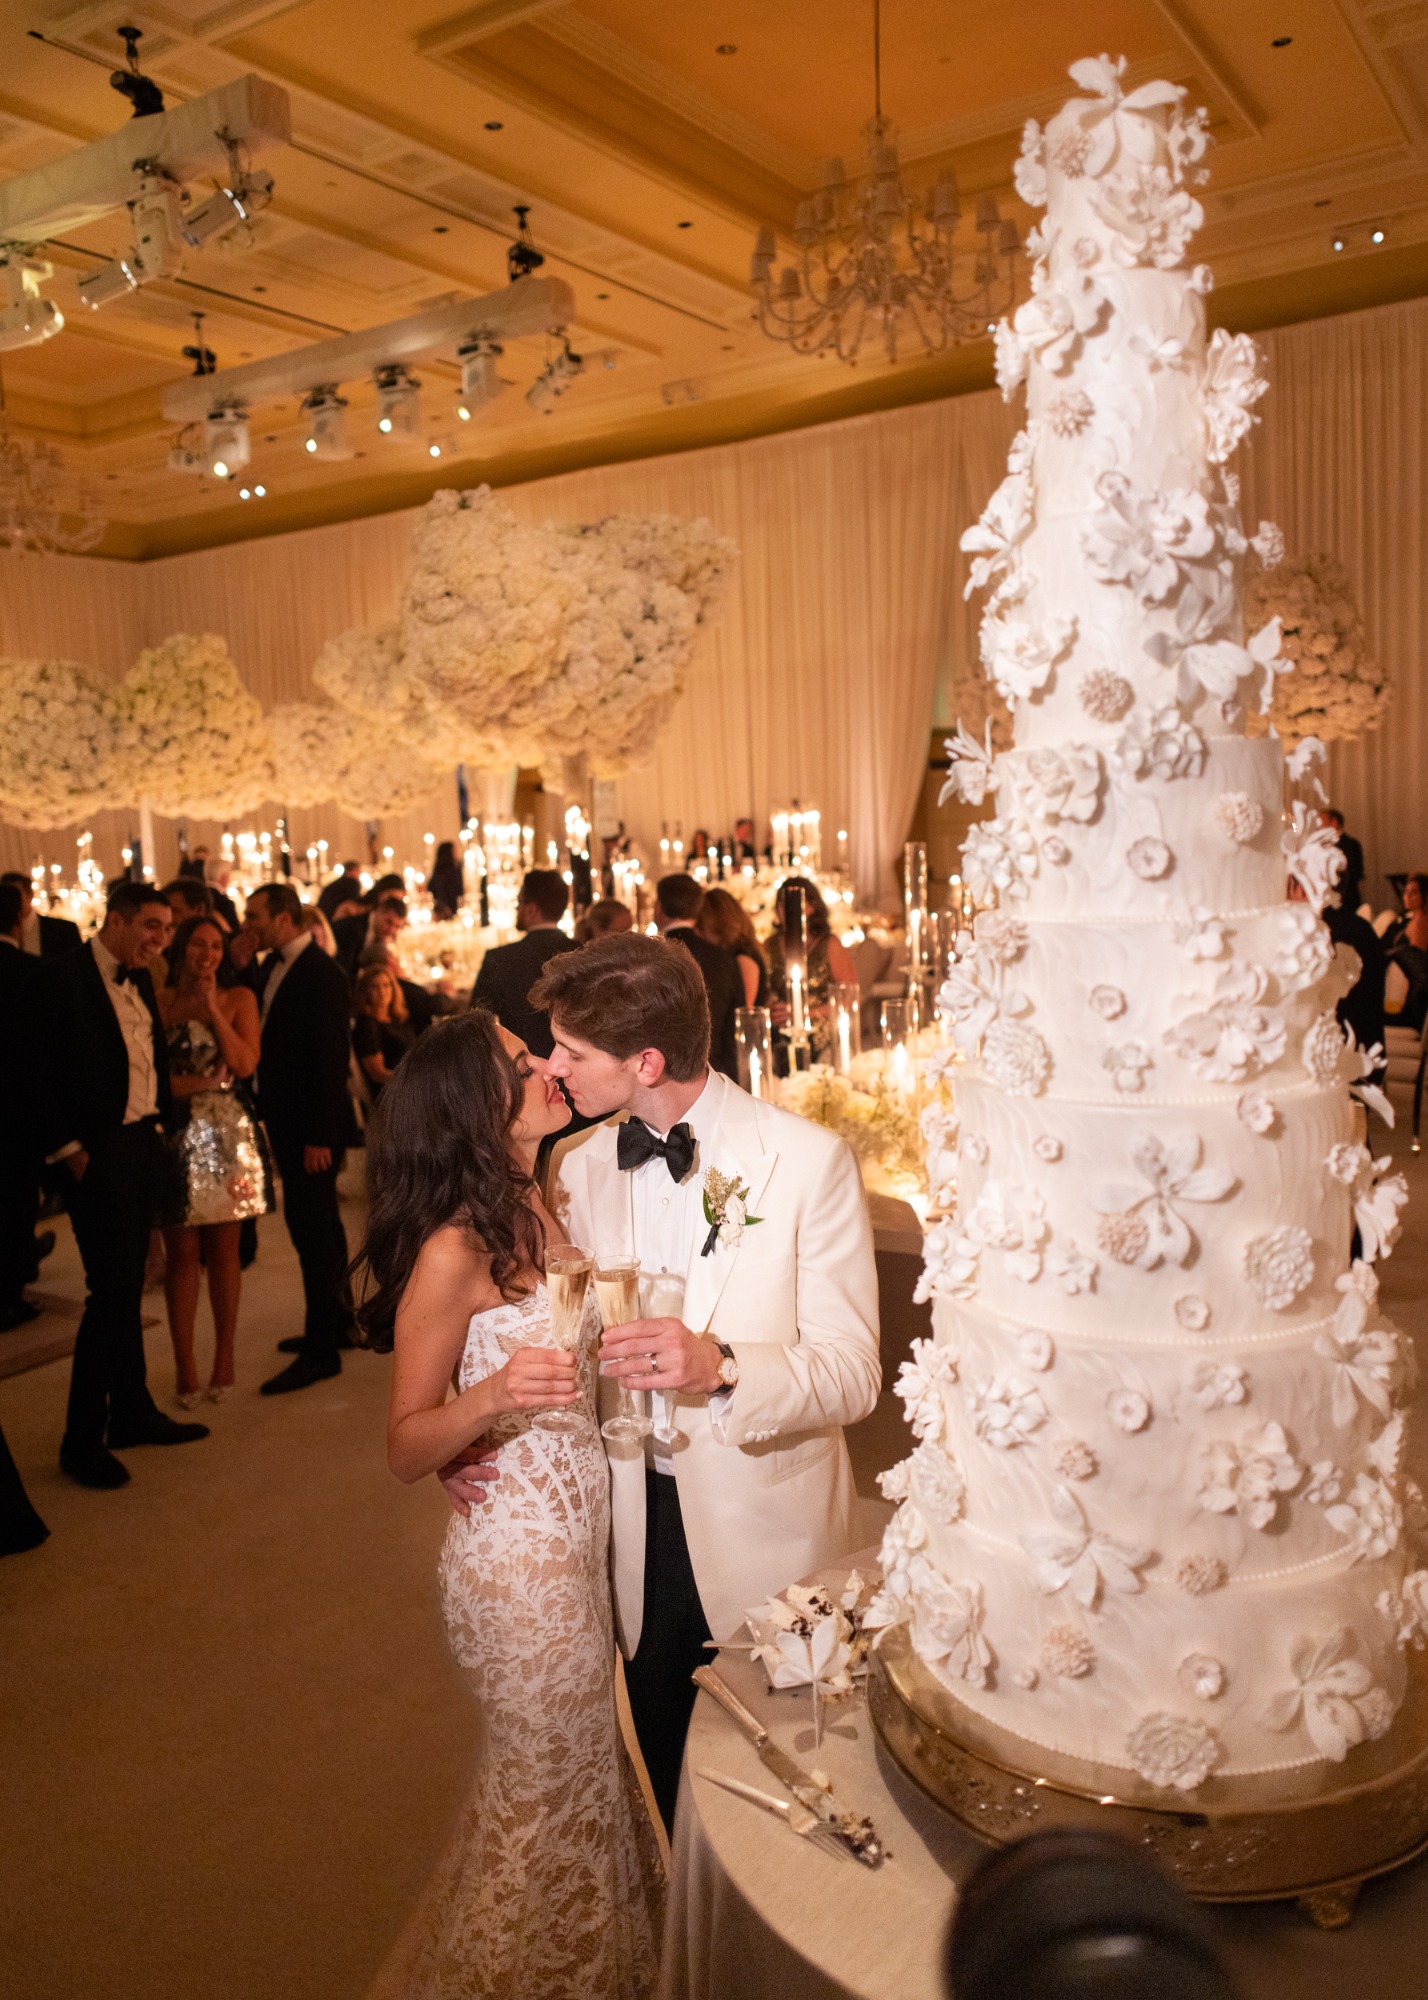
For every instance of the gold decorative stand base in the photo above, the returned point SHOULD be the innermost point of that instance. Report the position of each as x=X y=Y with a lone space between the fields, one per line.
x=1316 y=1835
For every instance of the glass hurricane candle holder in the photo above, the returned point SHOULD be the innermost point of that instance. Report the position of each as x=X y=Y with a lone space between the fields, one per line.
x=847 y=1038
x=753 y=1049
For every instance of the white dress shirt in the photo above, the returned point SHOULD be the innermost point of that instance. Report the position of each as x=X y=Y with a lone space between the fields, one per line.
x=285 y=956
x=137 y=1026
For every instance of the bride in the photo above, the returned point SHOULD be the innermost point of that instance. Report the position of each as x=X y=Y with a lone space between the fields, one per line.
x=551 y=1886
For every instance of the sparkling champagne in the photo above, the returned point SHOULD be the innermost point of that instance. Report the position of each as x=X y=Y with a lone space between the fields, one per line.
x=567 y=1279
x=617 y=1288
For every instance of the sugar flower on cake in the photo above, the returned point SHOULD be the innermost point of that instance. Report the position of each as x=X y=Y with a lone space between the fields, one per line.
x=1061 y=784
x=1205 y=662
x=1192 y=1312
x=1007 y=1410
x=1303 y=950
x=905 y=1568
x=1334 y=1695
x=998 y=857
x=949 y=1264
x=1366 y=1361
x=1202 y=1675
x=1148 y=858
x=1016 y=1057
x=970 y=774
x=1364 y=1067
x=1160 y=742
x=1172 y=1751
x=1072 y=1269
x=992 y=541
x=921 y=1383
x=1200 y=933
x=1054 y=851
x=1107 y=1001
x=1104 y=694
x=1378 y=1199
x=936 y=1483
x=1117 y=122
x=1314 y=857
x=1128 y=1410
x=1073 y=1458
x=1067 y=1652
x=1322 y=1050
x=999 y=937
x=1047 y=1147
x=1218 y=1383
x=1052 y=325
x=1011 y=1219
x=1127 y=1063
x=1234 y=383
x=1068 y=413
x=1257 y=1111
x=1415 y=1605
x=1142 y=539
x=1036 y=1348
x=1153 y=218
x=973 y=995
x=947 y=1628
x=1368 y=1517
x=1172 y=1169
x=1019 y=657
x=1248 y=1478
x=1198 y=1575
x=1280 y=1265
x=1029 y=171
x=1345 y=1163
x=1075 y=1558
x=1334 y=689
x=1238 y=816
x=1386 y=1451
x=1232 y=1036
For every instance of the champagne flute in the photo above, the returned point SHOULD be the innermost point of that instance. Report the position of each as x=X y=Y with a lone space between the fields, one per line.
x=663 y=1299
x=617 y=1288
x=567 y=1284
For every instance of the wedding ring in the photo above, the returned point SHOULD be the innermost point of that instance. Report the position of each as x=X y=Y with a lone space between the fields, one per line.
x=654 y=1364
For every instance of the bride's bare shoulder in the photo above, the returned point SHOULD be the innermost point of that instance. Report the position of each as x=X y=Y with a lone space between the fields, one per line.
x=453 y=1265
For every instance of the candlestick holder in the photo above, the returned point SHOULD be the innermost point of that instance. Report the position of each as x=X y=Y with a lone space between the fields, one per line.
x=847 y=1038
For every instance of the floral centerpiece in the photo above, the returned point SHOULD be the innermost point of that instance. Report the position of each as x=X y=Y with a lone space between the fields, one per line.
x=57 y=746
x=867 y=1110
x=1333 y=688
x=322 y=752
x=191 y=739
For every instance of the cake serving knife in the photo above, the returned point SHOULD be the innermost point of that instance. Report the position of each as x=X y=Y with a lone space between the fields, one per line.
x=856 y=1833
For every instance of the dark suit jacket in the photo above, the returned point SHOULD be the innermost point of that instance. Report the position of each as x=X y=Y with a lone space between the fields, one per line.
x=57 y=936
x=19 y=977
x=341 y=889
x=725 y=987
x=79 y=1085
x=306 y=1055
x=1362 y=1006
x=350 y=936
x=1350 y=884
x=506 y=977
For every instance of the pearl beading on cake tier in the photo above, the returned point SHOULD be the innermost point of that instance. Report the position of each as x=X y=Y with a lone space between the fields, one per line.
x=1155 y=1516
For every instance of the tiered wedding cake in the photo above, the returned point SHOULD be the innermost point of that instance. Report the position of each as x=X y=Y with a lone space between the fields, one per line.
x=1155 y=1516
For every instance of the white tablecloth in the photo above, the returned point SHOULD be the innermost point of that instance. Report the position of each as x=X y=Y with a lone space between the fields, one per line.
x=756 y=1914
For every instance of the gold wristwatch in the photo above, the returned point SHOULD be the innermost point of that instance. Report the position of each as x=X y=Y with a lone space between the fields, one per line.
x=728 y=1369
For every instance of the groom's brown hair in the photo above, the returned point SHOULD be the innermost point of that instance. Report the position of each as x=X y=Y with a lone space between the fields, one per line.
x=628 y=993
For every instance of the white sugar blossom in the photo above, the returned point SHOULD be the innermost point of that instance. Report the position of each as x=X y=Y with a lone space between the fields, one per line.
x=1345 y=1163
x=1036 y=1349
x=1307 y=757
x=1204 y=660
x=1067 y=1652
x=1238 y=816
x=1312 y=852
x=1128 y=1410
x=1127 y=1063
x=1280 y=1265
x=1367 y=1361
x=1325 y=1483
x=970 y=776
x=1029 y=172
x=1231 y=1037
x=1075 y=1558
x=1148 y=858
x=1107 y=1001
x=1062 y=784
x=1322 y=1050
x=1218 y=1383
x=1006 y=1411
x=936 y=1483
x=1015 y=1057
x=1143 y=539
x=1072 y=1269
x=1000 y=937
x=1173 y=1752
x=1334 y=1696
x=1201 y=934
x=1192 y=1312
x=1361 y=1278
x=1364 y=1067
x=921 y=1382
x=1069 y=413
x=1386 y=1451
x=1201 y=1675
x=1012 y=1220
x=975 y=1149
x=1303 y=950
x=999 y=857
x=1234 y=383
x=1152 y=215
x=992 y=541
x=1115 y=122
x=1160 y=742
x=973 y=996
x=1052 y=325
x=1172 y=1169
x=1010 y=358
x=1415 y=1604
x=1047 y=1147
x=1257 y=1111
x=1248 y=1478
x=1054 y=851
x=1378 y=1200
x=947 y=1628
x=1104 y=694
x=1019 y=657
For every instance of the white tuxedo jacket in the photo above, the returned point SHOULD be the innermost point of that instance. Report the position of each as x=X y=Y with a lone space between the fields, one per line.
x=765 y=1486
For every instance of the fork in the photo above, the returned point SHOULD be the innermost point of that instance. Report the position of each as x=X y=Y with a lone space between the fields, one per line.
x=797 y=1817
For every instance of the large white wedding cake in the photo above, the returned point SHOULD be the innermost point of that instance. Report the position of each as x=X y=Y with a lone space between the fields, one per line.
x=1155 y=1515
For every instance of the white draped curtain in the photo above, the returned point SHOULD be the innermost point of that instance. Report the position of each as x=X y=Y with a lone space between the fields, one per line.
x=844 y=616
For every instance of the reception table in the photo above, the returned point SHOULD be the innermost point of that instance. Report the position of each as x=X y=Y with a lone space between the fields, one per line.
x=755 y=1913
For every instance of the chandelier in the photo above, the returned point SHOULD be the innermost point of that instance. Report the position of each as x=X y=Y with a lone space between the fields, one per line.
x=871 y=267
x=43 y=508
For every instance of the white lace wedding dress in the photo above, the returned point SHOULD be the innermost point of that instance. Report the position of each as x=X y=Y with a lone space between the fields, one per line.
x=551 y=1888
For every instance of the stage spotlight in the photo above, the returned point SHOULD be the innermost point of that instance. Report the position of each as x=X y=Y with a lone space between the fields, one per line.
x=554 y=379
x=225 y=438
x=480 y=382
x=326 y=414
x=398 y=399
x=158 y=229
x=109 y=282
x=25 y=318
x=228 y=210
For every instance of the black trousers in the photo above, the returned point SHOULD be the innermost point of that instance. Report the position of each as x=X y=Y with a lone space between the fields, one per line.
x=314 y=1220
x=20 y=1526
x=112 y=1210
x=672 y=1635
x=19 y=1206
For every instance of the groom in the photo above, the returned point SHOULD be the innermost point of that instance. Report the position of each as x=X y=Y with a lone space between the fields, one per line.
x=774 y=1348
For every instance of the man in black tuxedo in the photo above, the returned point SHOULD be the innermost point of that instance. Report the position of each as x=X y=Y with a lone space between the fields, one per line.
x=510 y=971
x=19 y=1155
x=379 y=925
x=302 y=1096
x=678 y=900
x=343 y=888
x=99 y=1084
x=1350 y=884
x=42 y=937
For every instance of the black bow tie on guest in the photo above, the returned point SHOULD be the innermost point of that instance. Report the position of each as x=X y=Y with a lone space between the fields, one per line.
x=126 y=975
x=636 y=1144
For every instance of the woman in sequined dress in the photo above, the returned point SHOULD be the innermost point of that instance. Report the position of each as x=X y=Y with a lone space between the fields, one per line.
x=223 y=1173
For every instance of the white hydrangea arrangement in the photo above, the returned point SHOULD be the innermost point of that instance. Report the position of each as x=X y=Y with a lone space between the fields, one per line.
x=321 y=752
x=1333 y=689
x=58 y=743
x=191 y=739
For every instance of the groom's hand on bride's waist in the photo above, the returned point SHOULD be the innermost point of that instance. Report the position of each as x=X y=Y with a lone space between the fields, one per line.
x=467 y=1476
x=660 y=1354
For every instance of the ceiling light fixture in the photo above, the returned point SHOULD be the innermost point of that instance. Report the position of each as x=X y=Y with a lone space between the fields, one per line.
x=398 y=399
x=1377 y=236
x=555 y=378
x=857 y=277
x=480 y=381
x=111 y=281
x=26 y=318
x=1338 y=242
x=324 y=410
x=226 y=441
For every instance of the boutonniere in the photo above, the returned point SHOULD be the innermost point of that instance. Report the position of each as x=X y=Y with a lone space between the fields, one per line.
x=725 y=1210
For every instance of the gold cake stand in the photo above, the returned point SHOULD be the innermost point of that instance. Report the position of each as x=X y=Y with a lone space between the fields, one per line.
x=1315 y=1835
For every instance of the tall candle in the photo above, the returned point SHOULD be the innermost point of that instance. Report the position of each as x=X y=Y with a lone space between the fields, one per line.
x=845 y=1041
x=756 y=1074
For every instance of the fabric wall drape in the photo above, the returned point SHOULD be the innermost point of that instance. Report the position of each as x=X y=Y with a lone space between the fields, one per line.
x=844 y=615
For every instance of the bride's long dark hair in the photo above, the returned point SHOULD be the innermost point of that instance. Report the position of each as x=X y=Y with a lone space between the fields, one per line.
x=438 y=1152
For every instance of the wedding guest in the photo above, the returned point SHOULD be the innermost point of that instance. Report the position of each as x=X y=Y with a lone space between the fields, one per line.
x=773 y=1351
x=302 y=1095
x=699 y=846
x=509 y=971
x=1415 y=903
x=830 y=964
x=382 y=1031
x=551 y=1886
x=1350 y=884
x=678 y=903
x=1408 y=950
x=446 y=883
x=41 y=936
x=723 y=920
x=213 y=1033
x=380 y=924
x=603 y=919
x=20 y=1526
x=744 y=846
x=101 y=1093
x=187 y=897
x=424 y=1004
x=343 y=889
x=19 y=1152
x=1362 y=1006
x=313 y=920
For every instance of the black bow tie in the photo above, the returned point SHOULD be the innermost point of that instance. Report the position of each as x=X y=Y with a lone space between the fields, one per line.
x=636 y=1144
x=126 y=975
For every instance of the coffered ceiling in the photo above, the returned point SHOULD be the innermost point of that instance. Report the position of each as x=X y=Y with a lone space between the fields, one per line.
x=649 y=138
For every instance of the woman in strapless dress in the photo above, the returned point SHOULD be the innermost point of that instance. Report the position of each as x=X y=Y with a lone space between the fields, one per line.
x=222 y=1174
x=551 y=1886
